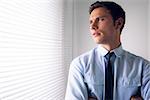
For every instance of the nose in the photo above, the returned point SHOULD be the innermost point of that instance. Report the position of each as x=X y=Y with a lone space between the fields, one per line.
x=94 y=26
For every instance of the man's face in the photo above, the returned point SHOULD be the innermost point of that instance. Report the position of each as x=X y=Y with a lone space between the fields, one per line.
x=102 y=27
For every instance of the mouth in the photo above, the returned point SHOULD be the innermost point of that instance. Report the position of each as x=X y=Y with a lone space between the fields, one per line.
x=95 y=34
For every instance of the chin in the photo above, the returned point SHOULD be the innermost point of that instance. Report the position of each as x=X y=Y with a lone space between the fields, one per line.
x=97 y=42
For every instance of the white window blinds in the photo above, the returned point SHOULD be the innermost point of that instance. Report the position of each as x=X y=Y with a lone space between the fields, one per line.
x=31 y=50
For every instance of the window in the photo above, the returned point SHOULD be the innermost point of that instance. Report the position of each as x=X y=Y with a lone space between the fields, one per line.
x=31 y=50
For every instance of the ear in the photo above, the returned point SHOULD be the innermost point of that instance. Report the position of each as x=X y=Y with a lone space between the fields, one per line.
x=119 y=23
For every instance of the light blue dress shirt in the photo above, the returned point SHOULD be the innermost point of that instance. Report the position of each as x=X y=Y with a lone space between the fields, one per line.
x=87 y=74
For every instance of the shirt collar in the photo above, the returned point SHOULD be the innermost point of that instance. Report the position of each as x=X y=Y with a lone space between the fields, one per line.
x=118 y=51
x=102 y=50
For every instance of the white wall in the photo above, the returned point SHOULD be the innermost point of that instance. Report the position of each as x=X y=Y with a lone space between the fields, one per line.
x=68 y=30
x=135 y=36
x=135 y=33
x=82 y=40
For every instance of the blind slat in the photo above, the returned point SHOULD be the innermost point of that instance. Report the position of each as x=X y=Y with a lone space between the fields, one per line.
x=31 y=50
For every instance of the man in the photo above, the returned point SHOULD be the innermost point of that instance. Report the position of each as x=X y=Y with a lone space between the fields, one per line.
x=97 y=76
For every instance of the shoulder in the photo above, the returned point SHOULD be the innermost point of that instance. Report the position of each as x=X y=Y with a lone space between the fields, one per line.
x=84 y=59
x=135 y=58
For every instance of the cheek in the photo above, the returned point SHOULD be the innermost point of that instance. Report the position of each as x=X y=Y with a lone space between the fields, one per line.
x=107 y=27
x=103 y=26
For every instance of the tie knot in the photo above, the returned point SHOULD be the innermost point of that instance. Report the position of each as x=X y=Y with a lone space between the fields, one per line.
x=109 y=55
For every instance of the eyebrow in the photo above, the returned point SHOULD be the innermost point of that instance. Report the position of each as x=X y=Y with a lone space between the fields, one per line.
x=98 y=17
x=101 y=16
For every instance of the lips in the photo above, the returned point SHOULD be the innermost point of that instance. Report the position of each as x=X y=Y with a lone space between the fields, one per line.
x=96 y=34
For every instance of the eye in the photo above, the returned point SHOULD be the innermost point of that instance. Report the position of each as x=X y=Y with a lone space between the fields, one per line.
x=100 y=19
x=91 y=21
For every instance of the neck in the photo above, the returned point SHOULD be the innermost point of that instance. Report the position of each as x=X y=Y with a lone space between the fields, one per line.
x=111 y=46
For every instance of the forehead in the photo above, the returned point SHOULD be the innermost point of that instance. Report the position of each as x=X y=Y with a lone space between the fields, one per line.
x=101 y=11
